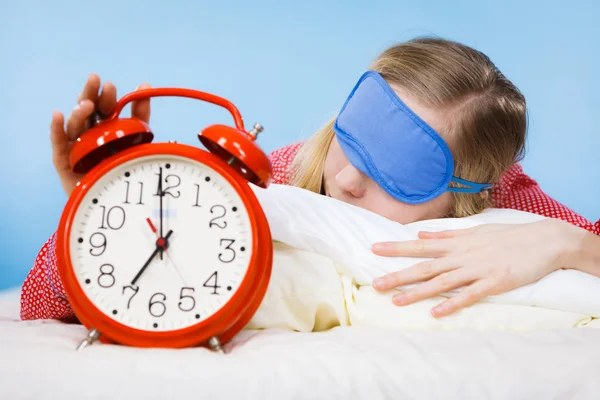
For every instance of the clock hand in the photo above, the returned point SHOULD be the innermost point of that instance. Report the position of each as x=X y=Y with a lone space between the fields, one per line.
x=167 y=251
x=161 y=244
x=149 y=221
x=144 y=267
x=161 y=195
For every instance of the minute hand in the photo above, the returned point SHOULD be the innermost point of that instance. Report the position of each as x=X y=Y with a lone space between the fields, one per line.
x=161 y=194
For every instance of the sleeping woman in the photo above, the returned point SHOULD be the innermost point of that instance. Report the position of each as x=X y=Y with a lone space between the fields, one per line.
x=433 y=129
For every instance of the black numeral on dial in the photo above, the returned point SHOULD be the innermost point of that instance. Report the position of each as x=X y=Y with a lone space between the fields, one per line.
x=127 y=193
x=98 y=243
x=229 y=255
x=189 y=301
x=156 y=306
x=175 y=182
x=118 y=217
x=135 y=290
x=106 y=278
x=220 y=211
x=197 y=195
x=213 y=277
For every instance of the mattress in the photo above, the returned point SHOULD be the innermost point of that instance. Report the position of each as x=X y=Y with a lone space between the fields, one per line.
x=38 y=361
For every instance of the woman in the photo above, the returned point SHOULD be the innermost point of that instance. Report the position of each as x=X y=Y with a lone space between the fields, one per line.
x=428 y=132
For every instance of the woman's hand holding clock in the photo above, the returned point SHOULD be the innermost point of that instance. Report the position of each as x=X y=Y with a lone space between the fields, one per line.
x=63 y=135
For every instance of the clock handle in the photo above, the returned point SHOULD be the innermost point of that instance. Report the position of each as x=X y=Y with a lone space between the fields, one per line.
x=181 y=92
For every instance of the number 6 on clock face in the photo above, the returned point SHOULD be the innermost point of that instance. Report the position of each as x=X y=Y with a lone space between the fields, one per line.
x=146 y=281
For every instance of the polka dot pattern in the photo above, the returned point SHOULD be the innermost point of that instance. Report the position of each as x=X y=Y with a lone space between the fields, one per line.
x=281 y=161
x=517 y=191
x=43 y=295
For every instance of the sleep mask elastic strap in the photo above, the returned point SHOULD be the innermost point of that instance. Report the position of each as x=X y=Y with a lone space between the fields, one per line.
x=476 y=187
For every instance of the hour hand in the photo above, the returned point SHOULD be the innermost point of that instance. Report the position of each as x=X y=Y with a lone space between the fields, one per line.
x=161 y=245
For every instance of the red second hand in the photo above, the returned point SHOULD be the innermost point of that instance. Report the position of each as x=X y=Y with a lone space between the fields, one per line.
x=151 y=225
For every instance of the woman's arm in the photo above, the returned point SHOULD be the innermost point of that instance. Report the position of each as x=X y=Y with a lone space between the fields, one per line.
x=281 y=161
x=42 y=294
x=585 y=253
x=517 y=191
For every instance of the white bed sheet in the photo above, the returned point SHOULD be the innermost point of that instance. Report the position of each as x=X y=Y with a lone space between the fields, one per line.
x=38 y=361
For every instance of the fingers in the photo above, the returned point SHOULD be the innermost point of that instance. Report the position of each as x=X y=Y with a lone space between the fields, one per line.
x=436 y=286
x=455 y=233
x=90 y=89
x=413 y=248
x=76 y=123
x=417 y=273
x=78 y=118
x=59 y=142
x=467 y=297
x=435 y=235
x=141 y=109
x=88 y=101
x=91 y=100
x=108 y=99
x=447 y=234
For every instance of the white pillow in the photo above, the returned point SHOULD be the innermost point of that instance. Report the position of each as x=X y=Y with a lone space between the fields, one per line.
x=306 y=293
x=367 y=307
x=344 y=233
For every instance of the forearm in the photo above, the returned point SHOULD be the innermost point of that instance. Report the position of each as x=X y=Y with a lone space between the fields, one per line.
x=43 y=295
x=583 y=252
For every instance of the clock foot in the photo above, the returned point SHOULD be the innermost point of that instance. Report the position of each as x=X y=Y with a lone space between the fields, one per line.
x=92 y=336
x=215 y=345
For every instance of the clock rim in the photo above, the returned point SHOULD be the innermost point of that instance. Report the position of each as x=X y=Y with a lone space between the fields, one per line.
x=229 y=319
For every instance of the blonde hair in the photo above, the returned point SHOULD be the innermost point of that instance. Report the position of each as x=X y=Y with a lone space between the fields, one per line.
x=484 y=113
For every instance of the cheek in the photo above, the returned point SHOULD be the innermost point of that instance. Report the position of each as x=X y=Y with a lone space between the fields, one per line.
x=334 y=162
x=329 y=172
x=395 y=210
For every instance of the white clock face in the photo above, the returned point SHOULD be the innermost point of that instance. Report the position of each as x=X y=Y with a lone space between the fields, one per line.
x=153 y=273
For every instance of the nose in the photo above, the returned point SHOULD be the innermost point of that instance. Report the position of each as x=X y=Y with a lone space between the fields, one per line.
x=351 y=181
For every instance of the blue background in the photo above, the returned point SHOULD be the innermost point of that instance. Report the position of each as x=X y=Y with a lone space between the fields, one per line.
x=288 y=65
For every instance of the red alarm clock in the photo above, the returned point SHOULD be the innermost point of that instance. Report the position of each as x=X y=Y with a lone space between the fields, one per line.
x=165 y=244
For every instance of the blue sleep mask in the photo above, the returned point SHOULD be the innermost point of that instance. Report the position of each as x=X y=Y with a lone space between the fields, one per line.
x=388 y=142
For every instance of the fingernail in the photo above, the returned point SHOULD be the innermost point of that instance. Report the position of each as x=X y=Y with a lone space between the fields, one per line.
x=378 y=246
x=426 y=234
x=435 y=311
x=378 y=283
x=399 y=299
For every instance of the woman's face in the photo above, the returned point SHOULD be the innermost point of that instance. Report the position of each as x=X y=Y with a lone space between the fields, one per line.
x=344 y=182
